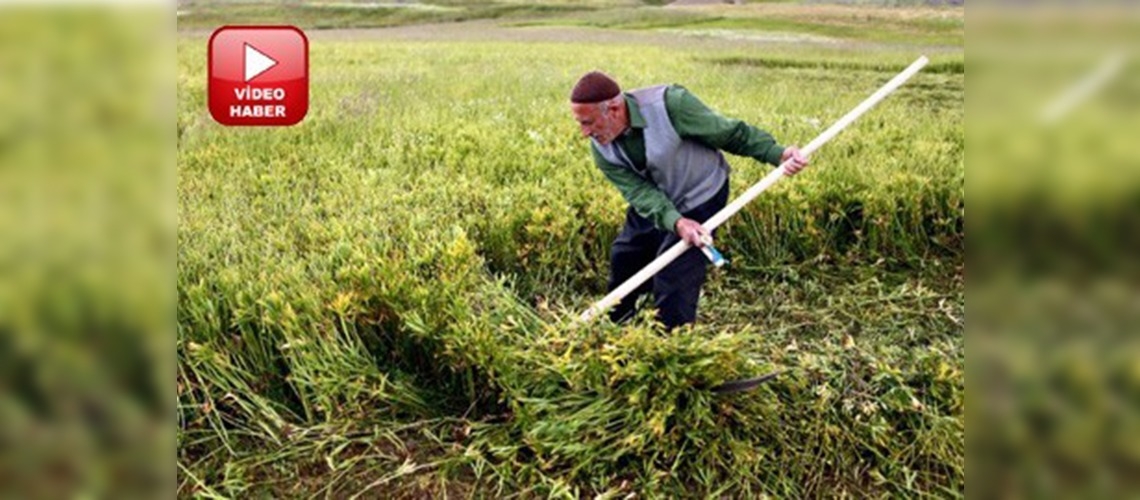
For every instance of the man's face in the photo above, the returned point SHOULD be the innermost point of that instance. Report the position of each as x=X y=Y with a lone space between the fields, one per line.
x=602 y=121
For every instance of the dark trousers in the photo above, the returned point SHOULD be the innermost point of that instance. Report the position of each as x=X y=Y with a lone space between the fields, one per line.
x=676 y=288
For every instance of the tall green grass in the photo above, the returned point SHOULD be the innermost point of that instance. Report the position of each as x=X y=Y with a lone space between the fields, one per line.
x=378 y=300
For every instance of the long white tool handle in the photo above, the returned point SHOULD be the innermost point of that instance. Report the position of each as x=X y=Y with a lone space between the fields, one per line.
x=676 y=250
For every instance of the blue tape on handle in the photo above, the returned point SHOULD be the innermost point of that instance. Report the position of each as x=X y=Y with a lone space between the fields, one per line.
x=714 y=256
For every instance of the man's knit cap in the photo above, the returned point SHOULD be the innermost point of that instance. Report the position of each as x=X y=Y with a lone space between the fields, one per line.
x=594 y=87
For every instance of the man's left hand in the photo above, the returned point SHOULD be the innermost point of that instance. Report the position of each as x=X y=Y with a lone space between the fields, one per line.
x=691 y=231
x=798 y=160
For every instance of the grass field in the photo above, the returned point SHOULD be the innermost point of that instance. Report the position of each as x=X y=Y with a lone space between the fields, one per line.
x=377 y=301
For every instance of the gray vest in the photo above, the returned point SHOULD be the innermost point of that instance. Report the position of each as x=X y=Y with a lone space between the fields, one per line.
x=688 y=172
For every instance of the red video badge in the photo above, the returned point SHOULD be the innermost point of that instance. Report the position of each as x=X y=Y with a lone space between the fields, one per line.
x=259 y=75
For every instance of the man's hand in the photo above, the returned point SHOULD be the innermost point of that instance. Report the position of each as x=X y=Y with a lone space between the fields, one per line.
x=692 y=231
x=799 y=161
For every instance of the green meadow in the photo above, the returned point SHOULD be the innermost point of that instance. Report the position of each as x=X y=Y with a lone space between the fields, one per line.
x=379 y=301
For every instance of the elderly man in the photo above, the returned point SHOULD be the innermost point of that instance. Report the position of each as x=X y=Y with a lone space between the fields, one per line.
x=660 y=146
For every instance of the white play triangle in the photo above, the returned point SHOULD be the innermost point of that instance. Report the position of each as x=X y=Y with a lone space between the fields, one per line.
x=256 y=62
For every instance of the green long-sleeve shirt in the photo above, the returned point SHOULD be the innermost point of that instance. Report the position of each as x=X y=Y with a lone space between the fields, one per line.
x=692 y=120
